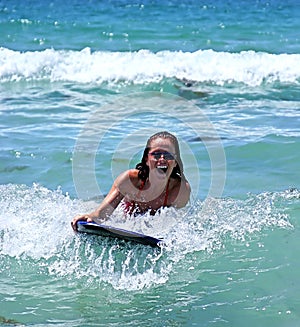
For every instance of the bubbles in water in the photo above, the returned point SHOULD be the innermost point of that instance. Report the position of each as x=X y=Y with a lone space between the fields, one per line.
x=35 y=226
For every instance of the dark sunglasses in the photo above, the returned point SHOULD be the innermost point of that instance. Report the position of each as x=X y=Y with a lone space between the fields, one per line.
x=167 y=155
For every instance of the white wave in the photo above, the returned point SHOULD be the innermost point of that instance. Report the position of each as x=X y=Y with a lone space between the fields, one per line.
x=35 y=221
x=85 y=66
x=35 y=226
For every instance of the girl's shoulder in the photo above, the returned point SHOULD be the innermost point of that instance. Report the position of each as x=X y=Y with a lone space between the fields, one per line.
x=130 y=176
x=180 y=192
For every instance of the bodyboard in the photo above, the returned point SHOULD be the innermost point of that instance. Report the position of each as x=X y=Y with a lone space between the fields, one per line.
x=114 y=232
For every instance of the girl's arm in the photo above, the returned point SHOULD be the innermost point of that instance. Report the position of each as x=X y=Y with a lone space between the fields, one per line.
x=108 y=205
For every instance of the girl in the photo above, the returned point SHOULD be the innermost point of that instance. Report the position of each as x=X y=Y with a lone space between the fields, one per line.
x=157 y=181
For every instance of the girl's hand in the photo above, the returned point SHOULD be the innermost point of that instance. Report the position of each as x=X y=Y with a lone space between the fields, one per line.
x=79 y=218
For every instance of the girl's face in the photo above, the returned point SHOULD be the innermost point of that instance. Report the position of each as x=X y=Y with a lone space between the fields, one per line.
x=162 y=157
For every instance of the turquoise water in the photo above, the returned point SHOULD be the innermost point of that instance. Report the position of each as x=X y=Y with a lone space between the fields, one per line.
x=82 y=86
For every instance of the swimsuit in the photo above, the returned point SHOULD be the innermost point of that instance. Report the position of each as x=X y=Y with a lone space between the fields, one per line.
x=131 y=207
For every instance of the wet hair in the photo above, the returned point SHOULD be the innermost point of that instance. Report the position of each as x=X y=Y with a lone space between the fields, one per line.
x=143 y=167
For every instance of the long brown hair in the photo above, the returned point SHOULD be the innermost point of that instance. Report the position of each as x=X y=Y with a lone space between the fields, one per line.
x=143 y=167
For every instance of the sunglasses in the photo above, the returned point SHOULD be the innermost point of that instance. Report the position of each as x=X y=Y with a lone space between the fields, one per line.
x=167 y=155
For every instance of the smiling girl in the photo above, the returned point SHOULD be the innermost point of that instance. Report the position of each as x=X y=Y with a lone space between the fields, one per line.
x=157 y=181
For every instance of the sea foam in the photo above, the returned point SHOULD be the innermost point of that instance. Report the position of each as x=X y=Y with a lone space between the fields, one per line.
x=35 y=228
x=203 y=66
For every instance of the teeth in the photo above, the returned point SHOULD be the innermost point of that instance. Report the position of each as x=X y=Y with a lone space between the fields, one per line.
x=164 y=168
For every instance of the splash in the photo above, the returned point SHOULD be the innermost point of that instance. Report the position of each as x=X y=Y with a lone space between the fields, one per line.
x=142 y=67
x=35 y=227
x=34 y=220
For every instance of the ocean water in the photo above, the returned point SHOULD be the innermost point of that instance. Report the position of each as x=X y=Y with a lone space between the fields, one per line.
x=82 y=86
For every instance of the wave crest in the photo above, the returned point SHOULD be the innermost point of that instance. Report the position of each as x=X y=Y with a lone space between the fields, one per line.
x=203 y=66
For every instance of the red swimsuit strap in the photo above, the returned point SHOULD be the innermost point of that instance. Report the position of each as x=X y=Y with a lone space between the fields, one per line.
x=130 y=206
x=142 y=185
x=167 y=193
